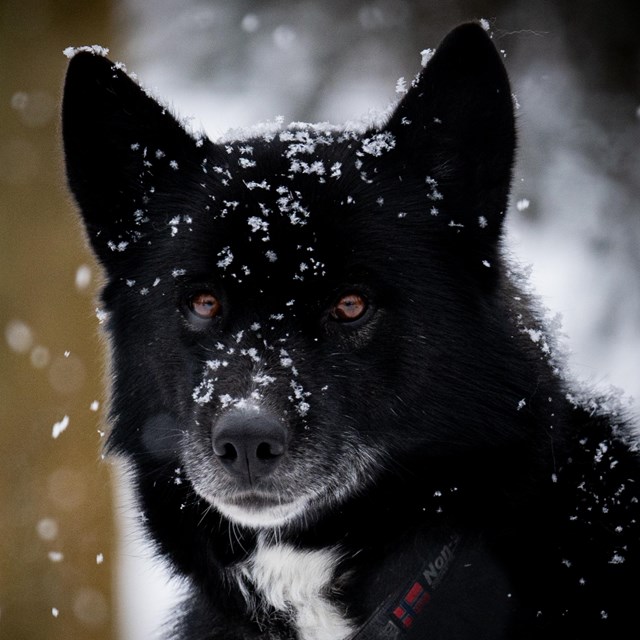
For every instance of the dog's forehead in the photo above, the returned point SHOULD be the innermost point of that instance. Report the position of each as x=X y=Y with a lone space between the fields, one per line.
x=270 y=211
x=275 y=210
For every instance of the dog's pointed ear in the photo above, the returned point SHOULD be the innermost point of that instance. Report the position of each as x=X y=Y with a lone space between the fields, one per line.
x=120 y=147
x=456 y=124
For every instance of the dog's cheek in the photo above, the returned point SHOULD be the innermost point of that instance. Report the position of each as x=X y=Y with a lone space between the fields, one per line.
x=162 y=437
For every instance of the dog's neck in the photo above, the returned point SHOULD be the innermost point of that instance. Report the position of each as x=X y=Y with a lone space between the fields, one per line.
x=303 y=587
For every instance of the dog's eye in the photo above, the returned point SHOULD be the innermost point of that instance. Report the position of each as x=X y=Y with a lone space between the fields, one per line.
x=349 y=308
x=205 y=305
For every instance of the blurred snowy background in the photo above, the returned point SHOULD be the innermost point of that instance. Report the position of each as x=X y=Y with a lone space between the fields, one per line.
x=71 y=565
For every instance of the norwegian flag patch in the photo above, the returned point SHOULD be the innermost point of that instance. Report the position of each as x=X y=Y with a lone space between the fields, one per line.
x=410 y=607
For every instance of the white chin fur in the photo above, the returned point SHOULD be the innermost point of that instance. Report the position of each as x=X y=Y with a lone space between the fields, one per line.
x=268 y=517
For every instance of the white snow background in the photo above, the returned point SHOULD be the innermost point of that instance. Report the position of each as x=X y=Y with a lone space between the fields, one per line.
x=231 y=65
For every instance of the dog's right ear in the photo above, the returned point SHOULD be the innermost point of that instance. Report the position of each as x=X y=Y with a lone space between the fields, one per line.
x=120 y=146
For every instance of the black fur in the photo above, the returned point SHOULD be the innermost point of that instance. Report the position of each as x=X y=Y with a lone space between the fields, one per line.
x=439 y=409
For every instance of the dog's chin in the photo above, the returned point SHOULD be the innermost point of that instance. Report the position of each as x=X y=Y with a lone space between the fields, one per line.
x=258 y=512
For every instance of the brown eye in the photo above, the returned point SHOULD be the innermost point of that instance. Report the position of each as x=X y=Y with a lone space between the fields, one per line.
x=205 y=305
x=349 y=307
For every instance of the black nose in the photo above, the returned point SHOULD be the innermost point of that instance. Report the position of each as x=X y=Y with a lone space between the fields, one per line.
x=249 y=444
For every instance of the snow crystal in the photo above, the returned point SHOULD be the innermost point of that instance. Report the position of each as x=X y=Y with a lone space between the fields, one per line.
x=95 y=49
x=54 y=612
x=534 y=334
x=600 y=452
x=485 y=24
x=203 y=392
x=226 y=258
x=121 y=246
x=285 y=359
x=299 y=394
x=56 y=556
x=377 y=144
x=482 y=221
x=486 y=263
x=523 y=204
x=616 y=559
x=401 y=86
x=257 y=224
x=226 y=400
x=251 y=353
x=174 y=165
x=99 y=558
x=433 y=194
x=257 y=185
x=59 y=427
x=263 y=379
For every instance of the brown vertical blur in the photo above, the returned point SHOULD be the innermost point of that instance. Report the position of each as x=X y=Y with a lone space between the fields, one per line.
x=56 y=525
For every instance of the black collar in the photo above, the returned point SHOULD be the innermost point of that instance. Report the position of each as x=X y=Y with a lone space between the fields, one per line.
x=402 y=611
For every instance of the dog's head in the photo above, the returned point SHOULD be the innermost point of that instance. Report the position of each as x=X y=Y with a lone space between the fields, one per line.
x=285 y=310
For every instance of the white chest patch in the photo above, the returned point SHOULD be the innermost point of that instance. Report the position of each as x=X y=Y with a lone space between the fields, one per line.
x=298 y=582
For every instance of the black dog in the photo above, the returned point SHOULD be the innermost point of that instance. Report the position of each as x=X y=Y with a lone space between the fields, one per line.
x=343 y=417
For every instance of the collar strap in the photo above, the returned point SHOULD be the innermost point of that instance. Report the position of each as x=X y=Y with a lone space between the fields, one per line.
x=403 y=610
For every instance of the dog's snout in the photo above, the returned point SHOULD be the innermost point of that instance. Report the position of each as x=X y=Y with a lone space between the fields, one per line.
x=249 y=445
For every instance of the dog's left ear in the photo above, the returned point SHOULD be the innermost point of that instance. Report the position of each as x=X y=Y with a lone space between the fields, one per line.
x=456 y=125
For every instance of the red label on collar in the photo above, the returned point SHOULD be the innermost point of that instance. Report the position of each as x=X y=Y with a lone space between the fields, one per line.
x=411 y=605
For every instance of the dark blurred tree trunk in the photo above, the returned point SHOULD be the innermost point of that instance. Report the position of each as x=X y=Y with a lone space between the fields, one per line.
x=56 y=530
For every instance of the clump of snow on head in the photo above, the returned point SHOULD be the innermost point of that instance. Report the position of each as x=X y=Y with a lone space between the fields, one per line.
x=95 y=49
x=426 y=55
